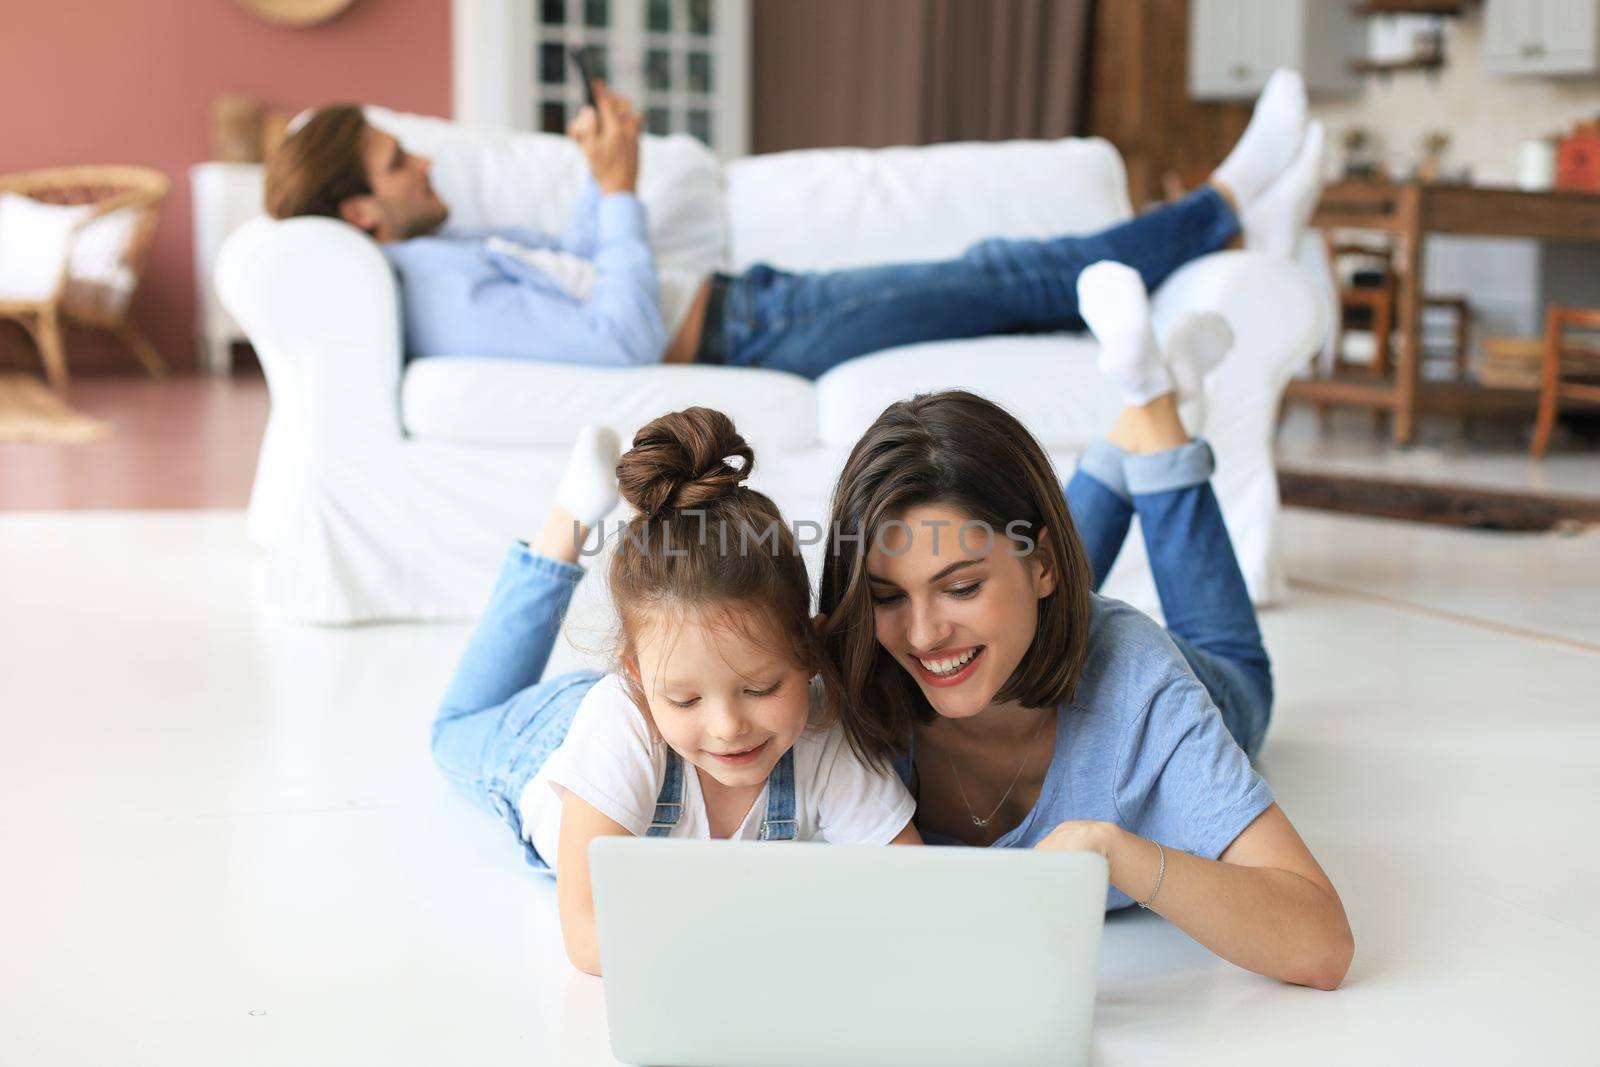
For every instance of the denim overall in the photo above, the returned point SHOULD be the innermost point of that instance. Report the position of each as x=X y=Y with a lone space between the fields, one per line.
x=777 y=825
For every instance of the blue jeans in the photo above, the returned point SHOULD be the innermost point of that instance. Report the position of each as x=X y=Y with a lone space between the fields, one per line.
x=809 y=323
x=500 y=721
x=1203 y=595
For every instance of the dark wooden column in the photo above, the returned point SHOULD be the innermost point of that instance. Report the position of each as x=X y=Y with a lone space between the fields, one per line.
x=1139 y=96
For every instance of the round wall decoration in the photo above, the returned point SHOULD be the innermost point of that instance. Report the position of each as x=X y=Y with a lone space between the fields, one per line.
x=296 y=13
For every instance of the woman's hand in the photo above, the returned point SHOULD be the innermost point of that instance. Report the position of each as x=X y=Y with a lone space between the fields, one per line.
x=1125 y=852
x=1081 y=835
x=1265 y=904
x=610 y=140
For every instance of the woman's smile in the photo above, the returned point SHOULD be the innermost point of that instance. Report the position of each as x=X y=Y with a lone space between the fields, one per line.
x=947 y=668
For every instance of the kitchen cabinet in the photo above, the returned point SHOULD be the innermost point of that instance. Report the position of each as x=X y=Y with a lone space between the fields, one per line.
x=1235 y=44
x=1542 y=37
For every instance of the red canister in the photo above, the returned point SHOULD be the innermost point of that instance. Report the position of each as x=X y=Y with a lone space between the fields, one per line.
x=1578 y=159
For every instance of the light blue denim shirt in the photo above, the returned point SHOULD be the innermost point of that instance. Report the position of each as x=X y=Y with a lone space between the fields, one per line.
x=459 y=298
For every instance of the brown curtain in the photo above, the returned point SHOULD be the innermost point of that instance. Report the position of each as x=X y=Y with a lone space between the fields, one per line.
x=883 y=72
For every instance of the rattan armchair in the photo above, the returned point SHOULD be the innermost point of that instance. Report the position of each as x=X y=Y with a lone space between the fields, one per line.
x=97 y=293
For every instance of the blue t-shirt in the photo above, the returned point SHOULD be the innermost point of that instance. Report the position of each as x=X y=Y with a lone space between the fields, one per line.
x=1142 y=745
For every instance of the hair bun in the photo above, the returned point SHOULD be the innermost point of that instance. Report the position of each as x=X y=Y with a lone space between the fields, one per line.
x=681 y=460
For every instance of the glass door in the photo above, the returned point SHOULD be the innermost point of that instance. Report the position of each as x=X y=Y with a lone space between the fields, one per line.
x=684 y=63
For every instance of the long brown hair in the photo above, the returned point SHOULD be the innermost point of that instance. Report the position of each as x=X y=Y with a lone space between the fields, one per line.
x=703 y=541
x=319 y=166
x=956 y=449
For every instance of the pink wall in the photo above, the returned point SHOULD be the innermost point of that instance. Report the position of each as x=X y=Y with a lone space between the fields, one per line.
x=131 y=81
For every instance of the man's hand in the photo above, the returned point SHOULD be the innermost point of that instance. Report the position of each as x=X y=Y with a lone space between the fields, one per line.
x=610 y=140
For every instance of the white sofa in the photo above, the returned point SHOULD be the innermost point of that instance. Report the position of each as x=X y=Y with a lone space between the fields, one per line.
x=390 y=491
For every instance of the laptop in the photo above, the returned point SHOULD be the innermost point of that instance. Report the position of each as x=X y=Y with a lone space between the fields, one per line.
x=764 y=955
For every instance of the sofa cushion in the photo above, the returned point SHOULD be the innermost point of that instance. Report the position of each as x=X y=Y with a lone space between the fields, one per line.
x=478 y=401
x=1049 y=381
x=826 y=208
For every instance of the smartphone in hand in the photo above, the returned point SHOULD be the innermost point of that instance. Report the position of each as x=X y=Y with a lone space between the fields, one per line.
x=578 y=61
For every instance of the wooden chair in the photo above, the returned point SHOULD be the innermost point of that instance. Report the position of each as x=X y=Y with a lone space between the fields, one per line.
x=1382 y=304
x=101 y=295
x=1379 y=301
x=1569 y=371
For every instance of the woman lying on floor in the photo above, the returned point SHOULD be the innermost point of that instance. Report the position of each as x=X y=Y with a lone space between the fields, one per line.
x=1022 y=709
x=953 y=651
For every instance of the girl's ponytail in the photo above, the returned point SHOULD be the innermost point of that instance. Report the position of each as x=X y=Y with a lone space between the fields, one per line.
x=681 y=461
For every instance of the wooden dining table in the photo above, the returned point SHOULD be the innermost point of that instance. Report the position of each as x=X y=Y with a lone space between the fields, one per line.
x=1411 y=211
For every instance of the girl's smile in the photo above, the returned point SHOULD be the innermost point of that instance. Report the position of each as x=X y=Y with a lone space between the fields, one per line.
x=743 y=756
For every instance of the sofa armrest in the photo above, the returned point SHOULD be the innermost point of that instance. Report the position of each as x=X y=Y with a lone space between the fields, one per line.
x=1277 y=319
x=1278 y=323
x=318 y=301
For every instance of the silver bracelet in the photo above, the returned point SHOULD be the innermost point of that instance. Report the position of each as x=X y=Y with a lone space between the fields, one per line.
x=1162 y=873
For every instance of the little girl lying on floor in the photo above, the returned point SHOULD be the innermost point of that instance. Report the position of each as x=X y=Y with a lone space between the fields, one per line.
x=717 y=666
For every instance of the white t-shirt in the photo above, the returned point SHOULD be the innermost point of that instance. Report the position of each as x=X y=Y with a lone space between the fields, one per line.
x=576 y=276
x=608 y=760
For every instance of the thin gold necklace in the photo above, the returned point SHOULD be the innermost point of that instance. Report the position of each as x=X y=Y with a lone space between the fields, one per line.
x=1027 y=752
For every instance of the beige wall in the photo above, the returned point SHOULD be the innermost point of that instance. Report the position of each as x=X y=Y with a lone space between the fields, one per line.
x=1486 y=115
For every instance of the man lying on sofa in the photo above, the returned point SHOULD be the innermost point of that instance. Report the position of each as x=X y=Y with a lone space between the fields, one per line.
x=594 y=295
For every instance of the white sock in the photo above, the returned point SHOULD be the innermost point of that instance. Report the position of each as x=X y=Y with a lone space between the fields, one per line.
x=588 y=487
x=1274 y=221
x=1113 y=302
x=1269 y=141
x=1194 y=348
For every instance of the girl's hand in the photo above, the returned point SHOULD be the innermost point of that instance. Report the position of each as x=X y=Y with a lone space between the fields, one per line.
x=581 y=823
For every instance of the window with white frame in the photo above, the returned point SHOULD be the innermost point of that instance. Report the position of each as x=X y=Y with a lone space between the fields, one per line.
x=683 y=63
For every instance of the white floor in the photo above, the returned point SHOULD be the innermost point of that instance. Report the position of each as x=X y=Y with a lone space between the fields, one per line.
x=222 y=841
x=1493 y=456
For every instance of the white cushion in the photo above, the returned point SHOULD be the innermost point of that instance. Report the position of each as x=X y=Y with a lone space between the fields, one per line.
x=822 y=209
x=97 y=261
x=1049 y=381
x=479 y=401
x=532 y=180
x=35 y=240
x=101 y=245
